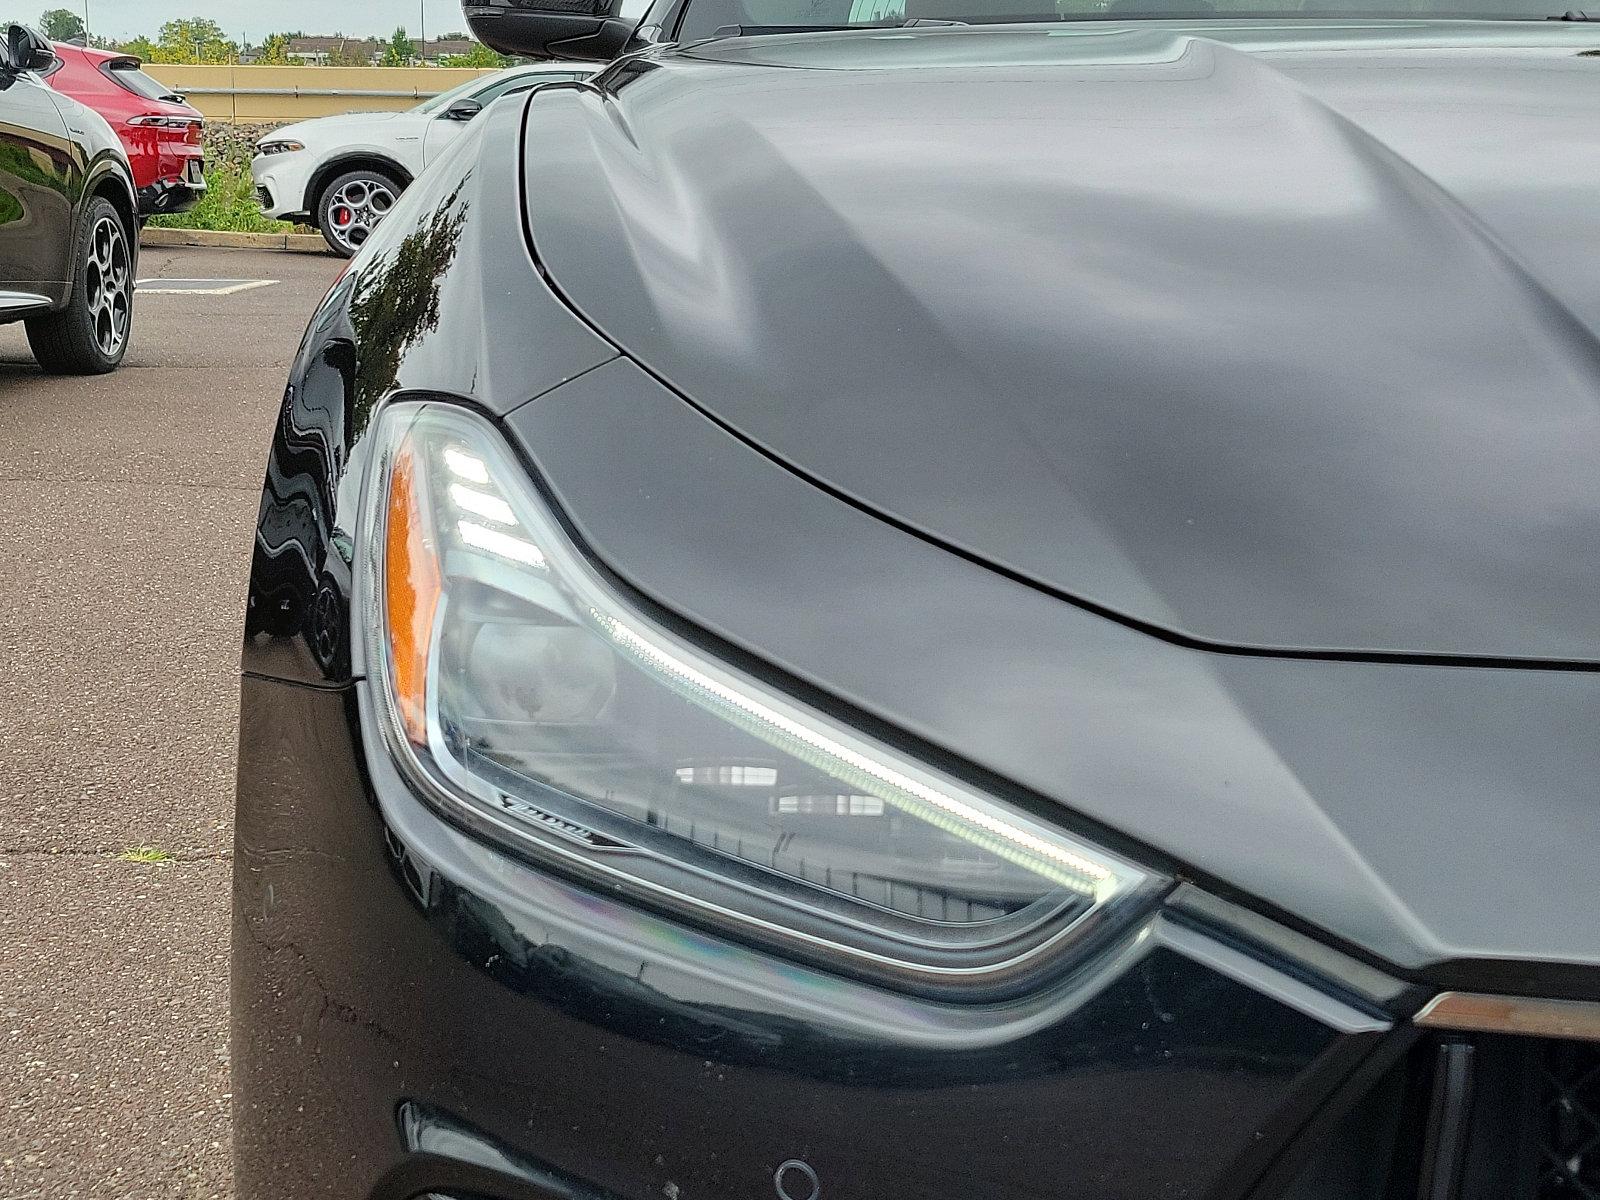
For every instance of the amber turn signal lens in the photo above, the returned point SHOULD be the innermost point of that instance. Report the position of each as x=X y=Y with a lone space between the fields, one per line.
x=412 y=591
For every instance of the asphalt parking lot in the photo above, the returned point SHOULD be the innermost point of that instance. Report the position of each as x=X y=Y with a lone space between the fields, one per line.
x=126 y=510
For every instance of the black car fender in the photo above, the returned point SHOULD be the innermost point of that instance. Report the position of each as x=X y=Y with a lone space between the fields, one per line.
x=443 y=300
x=107 y=175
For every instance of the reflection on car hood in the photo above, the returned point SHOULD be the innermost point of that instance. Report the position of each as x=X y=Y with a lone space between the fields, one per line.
x=1266 y=336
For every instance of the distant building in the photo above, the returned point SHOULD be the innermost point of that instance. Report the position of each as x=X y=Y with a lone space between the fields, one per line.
x=433 y=51
x=320 y=51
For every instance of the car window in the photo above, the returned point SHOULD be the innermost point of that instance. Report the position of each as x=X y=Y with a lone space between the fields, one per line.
x=445 y=99
x=128 y=74
x=521 y=83
x=497 y=86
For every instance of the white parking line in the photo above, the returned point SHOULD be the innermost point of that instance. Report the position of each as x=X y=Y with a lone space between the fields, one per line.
x=200 y=287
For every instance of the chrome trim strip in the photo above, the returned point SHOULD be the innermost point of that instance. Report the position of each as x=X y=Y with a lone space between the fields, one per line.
x=1467 y=1011
x=1352 y=976
x=13 y=302
x=1240 y=967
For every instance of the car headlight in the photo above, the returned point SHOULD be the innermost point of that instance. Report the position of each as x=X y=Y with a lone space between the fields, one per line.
x=279 y=147
x=526 y=696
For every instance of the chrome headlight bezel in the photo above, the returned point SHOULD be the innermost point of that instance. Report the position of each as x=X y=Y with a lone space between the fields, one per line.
x=1096 y=892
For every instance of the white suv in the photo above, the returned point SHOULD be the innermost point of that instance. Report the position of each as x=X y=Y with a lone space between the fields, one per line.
x=343 y=174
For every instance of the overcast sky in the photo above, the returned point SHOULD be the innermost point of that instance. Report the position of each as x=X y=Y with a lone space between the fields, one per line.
x=257 y=18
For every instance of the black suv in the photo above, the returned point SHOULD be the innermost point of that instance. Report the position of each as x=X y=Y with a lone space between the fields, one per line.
x=68 y=229
x=946 y=600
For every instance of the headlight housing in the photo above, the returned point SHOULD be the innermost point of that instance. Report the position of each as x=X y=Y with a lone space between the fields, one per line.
x=280 y=146
x=525 y=696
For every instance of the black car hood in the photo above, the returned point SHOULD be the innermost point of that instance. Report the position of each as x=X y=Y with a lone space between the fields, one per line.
x=1268 y=336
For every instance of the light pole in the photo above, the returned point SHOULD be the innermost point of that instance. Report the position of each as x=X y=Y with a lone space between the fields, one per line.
x=422 y=12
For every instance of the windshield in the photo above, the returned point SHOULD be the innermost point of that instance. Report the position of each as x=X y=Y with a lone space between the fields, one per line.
x=704 y=18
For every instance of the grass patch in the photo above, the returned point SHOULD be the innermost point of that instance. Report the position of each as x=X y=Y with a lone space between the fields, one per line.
x=144 y=854
x=229 y=205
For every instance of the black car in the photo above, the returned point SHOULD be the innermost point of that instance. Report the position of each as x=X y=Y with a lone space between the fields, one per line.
x=68 y=218
x=946 y=600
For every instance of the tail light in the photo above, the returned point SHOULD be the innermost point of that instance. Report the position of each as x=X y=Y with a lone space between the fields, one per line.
x=190 y=127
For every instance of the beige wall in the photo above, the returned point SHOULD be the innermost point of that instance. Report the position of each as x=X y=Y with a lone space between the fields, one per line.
x=232 y=93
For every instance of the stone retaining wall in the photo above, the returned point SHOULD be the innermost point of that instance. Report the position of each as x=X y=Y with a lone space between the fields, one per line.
x=235 y=143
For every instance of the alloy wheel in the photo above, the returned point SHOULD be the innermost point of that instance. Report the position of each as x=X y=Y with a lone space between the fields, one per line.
x=108 y=286
x=356 y=210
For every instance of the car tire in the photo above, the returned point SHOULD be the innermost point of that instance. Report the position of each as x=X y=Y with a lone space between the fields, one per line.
x=353 y=205
x=90 y=336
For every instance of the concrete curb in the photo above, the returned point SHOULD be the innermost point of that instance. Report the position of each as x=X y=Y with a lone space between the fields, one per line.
x=300 y=243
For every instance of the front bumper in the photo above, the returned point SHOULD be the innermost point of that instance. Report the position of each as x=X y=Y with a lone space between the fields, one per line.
x=283 y=183
x=416 y=1012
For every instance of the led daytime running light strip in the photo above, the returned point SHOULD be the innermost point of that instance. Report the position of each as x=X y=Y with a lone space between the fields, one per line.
x=1027 y=849
x=971 y=823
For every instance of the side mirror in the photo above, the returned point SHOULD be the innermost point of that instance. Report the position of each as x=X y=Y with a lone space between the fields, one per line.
x=25 y=50
x=563 y=29
x=462 y=110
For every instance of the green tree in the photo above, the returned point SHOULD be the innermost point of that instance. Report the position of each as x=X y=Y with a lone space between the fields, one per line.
x=400 y=51
x=194 y=40
x=275 y=51
x=347 y=55
x=61 y=25
x=479 y=56
x=141 y=48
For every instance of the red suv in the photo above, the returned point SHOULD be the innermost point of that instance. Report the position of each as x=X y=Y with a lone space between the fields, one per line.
x=162 y=134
